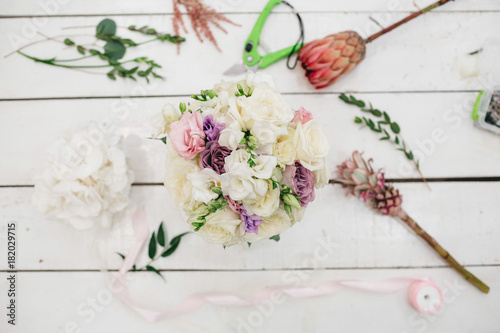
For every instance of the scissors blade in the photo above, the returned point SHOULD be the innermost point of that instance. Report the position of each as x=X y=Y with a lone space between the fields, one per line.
x=239 y=68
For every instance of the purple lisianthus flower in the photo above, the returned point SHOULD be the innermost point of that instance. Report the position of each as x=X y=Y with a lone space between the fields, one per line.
x=211 y=128
x=213 y=157
x=251 y=222
x=301 y=181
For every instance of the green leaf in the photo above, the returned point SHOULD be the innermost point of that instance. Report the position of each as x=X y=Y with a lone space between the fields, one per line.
x=395 y=128
x=386 y=116
x=174 y=243
x=182 y=107
x=142 y=73
x=111 y=75
x=152 y=269
x=396 y=140
x=161 y=235
x=249 y=244
x=358 y=120
x=94 y=52
x=275 y=238
x=131 y=27
x=152 y=246
x=114 y=49
x=80 y=49
x=121 y=255
x=376 y=113
x=69 y=42
x=409 y=155
x=106 y=28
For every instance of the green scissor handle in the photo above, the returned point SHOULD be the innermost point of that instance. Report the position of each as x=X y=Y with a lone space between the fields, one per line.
x=251 y=56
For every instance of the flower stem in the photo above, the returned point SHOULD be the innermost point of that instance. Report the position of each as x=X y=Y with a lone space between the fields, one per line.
x=406 y=19
x=442 y=252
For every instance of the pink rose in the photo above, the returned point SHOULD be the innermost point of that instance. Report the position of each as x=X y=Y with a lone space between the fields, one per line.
x=187 y=135
x=302 y=116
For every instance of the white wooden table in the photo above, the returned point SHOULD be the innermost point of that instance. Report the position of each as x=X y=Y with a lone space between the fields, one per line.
x=407 y=72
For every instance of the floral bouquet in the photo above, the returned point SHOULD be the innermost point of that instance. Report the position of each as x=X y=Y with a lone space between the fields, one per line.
x=241 y=163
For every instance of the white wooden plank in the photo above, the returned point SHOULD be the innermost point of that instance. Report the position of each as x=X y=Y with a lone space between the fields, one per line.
x=93 y=7
x=48 y=302
x=463 y=217
x=416 y=57
x=461 y=150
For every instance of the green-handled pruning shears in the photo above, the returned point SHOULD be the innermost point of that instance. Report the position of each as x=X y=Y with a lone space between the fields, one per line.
x=252 y=60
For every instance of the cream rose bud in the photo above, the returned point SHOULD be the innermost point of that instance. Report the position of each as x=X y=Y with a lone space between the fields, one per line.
x=271 y=226
x=202 y=183
x=311 y=145
x=284 y=148
x=264 y=205
x=176 y=180
x=162 y=121
x=297 y=214
x=220 y=227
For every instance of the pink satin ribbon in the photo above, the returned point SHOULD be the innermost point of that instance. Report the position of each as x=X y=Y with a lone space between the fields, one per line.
x=141 y=231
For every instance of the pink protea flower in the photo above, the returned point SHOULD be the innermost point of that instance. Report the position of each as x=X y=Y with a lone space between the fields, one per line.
x=325 y=60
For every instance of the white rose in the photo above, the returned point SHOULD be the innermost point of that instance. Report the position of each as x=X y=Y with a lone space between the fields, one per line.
x=264 y=205
x=270 y=226
x=266 y=134
x=231 y=136
x=177 y=182
x=163 y=120
x=284 y=148
x=311 y=145
x=240 y=184
x=220 y=227
x=202 y=183
x=321 y=176
x=264 y=166
x=87 y=180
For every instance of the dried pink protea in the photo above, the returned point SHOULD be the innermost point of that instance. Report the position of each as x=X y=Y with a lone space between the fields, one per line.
x=358 y=177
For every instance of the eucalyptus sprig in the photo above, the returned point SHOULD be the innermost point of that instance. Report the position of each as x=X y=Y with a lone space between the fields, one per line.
x=205 y=95
x=157 y=249
x=242 y=92
x=251 y=144
x=286 y=195
x=213 y=206
x=389 y=129
x=111 y=52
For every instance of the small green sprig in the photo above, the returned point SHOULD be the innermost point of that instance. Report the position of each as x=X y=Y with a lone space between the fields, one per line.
x=390 y=130
x=286 y=195
x=251 y=144
x=113 y=50
x=241 y=92
x=213 y=206
x=161 y=37
x=205 y=95
x=157 y=249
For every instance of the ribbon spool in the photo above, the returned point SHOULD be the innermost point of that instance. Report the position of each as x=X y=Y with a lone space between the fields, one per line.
x=425 y=296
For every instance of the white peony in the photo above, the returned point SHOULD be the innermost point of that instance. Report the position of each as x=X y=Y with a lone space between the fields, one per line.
x=220 y=227
x=311 y=145
x=177 y=182
x=162 y=121
x=87 y=180
x=284 y=148
x=264 y=205
x=271 y=226
x=202 y=183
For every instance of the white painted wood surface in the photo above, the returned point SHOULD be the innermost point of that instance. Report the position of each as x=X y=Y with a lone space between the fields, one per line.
x=408 y=73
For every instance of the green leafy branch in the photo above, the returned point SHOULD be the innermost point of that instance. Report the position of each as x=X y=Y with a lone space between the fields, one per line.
x=241 y=92
x=286 y=195
x=389 y=129
x=157 y=249
x=251 y=144
x=213 y=206
x=113 y=50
